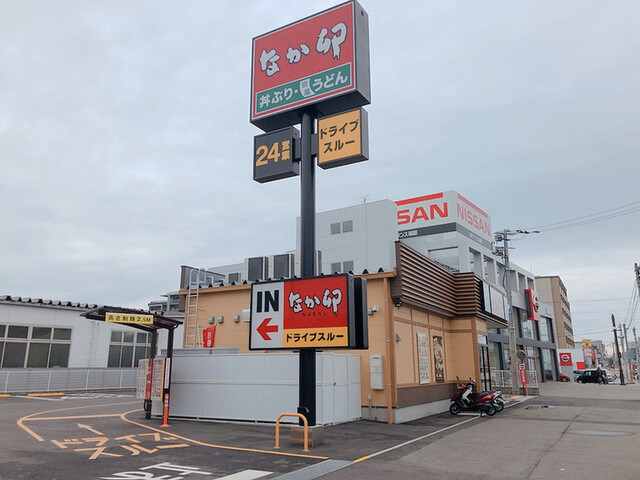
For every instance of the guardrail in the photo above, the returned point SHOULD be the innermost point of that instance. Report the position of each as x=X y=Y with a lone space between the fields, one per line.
x=25 y=380
x=502 y=378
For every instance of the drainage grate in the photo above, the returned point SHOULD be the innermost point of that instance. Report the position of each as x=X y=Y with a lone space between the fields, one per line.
x=537 y=407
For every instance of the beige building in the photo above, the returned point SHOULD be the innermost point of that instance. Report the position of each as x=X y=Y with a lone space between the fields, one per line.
x=428 y=324
x=552 y=291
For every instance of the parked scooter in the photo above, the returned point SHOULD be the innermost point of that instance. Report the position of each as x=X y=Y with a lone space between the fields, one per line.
x=498 y=401
x=465 y=400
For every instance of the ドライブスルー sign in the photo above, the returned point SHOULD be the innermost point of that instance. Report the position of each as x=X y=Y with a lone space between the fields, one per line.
x=321 y=60
x=303 y=313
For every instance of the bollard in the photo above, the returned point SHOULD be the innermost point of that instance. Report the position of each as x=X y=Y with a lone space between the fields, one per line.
x=306 y=429
x=165 y=414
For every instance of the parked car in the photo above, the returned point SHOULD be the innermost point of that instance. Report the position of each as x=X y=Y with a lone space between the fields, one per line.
x=564 y=378
x=593 y=375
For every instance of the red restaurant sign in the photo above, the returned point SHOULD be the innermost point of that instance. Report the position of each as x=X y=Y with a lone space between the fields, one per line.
x=321 y=60
x=303 y=313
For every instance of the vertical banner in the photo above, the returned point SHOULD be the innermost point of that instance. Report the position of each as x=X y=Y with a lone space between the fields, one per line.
x=143 y=384
x=423 y=357
x=208 y=337
x=157 y=378
x=438 y=358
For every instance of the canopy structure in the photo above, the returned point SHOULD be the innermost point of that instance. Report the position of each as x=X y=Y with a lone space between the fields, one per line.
x=159 y=321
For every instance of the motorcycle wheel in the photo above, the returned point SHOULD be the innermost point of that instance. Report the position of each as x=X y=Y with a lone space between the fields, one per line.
x=499 y=404
x=454 y=409
x=490 y=411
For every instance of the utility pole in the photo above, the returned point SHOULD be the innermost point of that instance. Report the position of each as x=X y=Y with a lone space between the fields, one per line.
x=635 y=337
x=503 y=237
x=615 y=336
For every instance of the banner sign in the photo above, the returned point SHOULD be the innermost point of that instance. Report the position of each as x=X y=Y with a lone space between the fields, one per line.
x=157 y=378
x=438 y=357
x=321 y=60
x=143 y=384
x=423 y=357
x=316 y=312
x=533 y=305
x=128 y=318
x=208 y=337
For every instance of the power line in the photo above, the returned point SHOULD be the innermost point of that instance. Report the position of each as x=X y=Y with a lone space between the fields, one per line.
x=627 y=209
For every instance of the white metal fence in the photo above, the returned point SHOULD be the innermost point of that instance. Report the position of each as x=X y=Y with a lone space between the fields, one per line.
x=502 y=378
x=25 y=380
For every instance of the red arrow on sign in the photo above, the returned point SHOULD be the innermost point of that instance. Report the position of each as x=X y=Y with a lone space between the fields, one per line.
x=265 y=329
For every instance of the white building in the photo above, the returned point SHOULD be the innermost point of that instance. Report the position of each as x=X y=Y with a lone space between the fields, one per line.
x=36 y=333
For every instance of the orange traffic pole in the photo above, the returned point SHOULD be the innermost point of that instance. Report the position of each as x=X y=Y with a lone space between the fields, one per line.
x=165 y=414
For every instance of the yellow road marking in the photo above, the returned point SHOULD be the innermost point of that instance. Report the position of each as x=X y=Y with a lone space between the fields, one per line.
x=221 y=447
x=30 y=418
x=36 y=417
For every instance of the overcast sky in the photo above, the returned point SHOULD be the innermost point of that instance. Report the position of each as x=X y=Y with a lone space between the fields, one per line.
x=126 y=147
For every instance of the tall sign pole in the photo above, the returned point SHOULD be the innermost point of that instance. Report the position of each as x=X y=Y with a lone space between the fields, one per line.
x=307 y=357
x=314 y=69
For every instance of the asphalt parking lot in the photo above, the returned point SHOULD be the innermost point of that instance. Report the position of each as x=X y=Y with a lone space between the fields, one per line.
x=106 y=435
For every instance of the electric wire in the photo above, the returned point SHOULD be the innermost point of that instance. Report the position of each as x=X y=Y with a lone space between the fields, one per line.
x=627 y=209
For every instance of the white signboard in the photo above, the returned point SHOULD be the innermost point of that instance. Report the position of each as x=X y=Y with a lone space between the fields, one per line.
x=417 y=216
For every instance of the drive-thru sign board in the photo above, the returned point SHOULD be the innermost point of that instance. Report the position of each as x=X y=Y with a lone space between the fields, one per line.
x=303 y=313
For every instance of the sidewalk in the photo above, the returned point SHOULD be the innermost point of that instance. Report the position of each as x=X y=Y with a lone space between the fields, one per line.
x=569 y=431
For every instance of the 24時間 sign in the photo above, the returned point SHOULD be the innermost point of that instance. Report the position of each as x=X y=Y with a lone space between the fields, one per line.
x=303 y=313
x=321 y=60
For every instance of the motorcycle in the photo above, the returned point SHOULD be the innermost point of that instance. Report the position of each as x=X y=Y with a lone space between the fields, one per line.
x=466 y=400
x=498 y=401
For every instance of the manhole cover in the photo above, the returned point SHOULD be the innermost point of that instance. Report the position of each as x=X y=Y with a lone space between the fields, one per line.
x=601 y=433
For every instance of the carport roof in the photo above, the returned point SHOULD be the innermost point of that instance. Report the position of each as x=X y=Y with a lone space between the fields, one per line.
x=159 y=321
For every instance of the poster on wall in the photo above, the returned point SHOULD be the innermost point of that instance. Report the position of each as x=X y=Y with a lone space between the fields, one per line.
x=423 y=358
x=438 y=358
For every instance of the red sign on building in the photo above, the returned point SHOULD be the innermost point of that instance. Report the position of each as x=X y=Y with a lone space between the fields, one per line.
x=307 y=313
x=565 y=358
x=321 y=60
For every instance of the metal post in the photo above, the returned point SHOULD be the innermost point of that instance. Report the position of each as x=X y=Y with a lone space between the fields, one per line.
x=513 y=347
x=637 y=365
x=307 y=362
x=615 y=336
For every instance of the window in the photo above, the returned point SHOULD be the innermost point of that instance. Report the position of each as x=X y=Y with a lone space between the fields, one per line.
x=342 y=267
x=545 y=332
x=127 y=348
x=34 y=347
x=344 y=227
